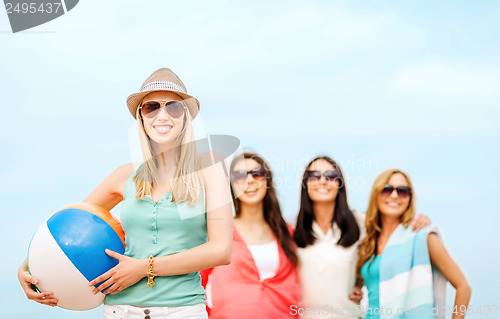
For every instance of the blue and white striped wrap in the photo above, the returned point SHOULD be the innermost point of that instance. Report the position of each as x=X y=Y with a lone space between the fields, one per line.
x=410 y=286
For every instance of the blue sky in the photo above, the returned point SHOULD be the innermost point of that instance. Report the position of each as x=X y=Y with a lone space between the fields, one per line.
x=374 y=84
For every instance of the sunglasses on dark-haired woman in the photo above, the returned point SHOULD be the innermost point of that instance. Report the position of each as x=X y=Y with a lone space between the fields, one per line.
x=314 y=176
x=240 y=176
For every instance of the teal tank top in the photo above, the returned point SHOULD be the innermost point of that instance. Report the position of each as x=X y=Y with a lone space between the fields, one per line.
x=161 y=229
x=371 y=276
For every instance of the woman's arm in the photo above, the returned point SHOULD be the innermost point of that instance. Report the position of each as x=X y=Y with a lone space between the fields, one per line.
x=443 y=261
x=215 y=252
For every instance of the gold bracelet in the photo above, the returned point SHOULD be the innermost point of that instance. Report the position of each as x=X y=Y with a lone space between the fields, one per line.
x=151 y=275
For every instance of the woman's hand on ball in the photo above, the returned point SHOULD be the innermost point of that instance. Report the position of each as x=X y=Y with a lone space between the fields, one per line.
x=26 y=280
x=128 y=271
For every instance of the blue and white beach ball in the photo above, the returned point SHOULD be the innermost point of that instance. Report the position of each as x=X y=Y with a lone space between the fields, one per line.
x=68 y=251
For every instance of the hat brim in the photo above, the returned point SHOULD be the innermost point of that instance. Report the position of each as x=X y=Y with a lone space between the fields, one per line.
x=135 y=99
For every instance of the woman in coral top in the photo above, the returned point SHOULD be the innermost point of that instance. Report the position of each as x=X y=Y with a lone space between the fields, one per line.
x=261 y=281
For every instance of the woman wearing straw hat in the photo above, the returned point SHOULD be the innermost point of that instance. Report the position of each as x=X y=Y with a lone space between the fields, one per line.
x=176 y=216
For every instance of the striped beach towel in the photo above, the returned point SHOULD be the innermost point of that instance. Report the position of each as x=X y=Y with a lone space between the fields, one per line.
x=410 y=286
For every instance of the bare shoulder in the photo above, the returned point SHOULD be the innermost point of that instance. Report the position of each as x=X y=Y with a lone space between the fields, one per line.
x=213 y=166
x=216 y=182
x=433 y=239
x=121 y=174
x=126 y=169
x=210 y=158
x=110 y=191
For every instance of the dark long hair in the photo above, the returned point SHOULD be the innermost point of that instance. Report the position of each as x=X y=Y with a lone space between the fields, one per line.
x=342 y=214
x=272 y=211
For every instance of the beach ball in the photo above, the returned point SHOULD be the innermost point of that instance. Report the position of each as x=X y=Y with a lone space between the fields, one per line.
x=68 y=251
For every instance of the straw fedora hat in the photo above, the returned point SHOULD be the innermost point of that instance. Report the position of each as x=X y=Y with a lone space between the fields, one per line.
x=163 y=79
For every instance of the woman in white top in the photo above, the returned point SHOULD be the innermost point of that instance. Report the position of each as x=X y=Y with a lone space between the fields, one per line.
x=327 y=234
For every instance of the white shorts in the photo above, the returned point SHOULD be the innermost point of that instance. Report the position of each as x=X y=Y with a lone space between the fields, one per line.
x=130 y=312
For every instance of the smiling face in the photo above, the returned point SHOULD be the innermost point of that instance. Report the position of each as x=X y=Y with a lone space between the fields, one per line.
x=163 y=129
x=322 y=190
x=250 y=190
x=394 y=205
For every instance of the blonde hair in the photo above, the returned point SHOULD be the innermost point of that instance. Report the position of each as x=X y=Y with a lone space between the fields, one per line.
x=368 y=246
x=187 y=182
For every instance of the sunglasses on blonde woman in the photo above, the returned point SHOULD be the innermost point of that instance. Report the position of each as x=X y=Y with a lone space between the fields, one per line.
x=174 y=109
x=402 y=191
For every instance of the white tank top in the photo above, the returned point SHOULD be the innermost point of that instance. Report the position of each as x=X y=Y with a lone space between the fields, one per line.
x=266 y=258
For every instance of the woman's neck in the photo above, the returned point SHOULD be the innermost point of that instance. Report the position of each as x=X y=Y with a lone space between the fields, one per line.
x=167 y=162
x=323 y=213
x=252 y=214
x=170 y=151
x=389 y=224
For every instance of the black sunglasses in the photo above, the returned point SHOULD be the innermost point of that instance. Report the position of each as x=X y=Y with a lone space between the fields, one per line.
x=150 y=109
x=329 y=175
x=402 y=191
x=240 y=176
